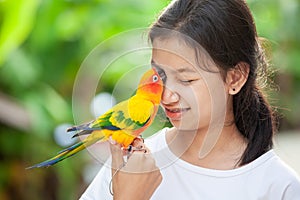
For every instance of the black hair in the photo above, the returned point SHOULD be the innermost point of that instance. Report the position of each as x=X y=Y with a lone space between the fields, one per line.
x=226 y=30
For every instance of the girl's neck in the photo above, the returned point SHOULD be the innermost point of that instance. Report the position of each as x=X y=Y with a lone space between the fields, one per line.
x=223 y=153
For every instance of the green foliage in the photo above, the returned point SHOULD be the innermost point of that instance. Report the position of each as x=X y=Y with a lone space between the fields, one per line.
x=17 y=21
x=277 y=21
x=42 y=46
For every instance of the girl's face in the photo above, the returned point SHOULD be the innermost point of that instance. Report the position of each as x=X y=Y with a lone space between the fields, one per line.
x=193 y=98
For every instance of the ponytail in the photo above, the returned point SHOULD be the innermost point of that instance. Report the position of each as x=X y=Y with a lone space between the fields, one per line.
x=254 y=119
x=254 y=116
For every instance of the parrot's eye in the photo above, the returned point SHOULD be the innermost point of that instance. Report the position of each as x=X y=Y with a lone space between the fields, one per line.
x=155 y=78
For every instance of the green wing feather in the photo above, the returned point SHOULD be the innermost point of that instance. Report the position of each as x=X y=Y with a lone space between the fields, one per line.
x=127 y=115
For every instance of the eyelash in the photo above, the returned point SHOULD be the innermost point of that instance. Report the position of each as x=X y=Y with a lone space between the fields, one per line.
x=187 y=82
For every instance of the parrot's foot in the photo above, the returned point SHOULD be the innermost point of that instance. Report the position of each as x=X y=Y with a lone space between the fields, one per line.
x=130 y=149
x=136 y=145
x=138 y=142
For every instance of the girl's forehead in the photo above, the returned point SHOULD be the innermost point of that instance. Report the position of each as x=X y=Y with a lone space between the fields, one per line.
x=174 y=45
x=172 y=53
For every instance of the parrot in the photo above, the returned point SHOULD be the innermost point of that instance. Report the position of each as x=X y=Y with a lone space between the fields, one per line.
x=123 y=123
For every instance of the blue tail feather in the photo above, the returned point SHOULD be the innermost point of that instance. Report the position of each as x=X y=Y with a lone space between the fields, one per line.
x=59 y=157
x=46 y=163
x=70 y=151
x=70 y=148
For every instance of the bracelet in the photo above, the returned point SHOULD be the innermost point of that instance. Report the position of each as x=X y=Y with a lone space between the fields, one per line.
x=110 y=182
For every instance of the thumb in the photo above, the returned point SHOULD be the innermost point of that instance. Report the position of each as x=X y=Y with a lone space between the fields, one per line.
x=117 y=162
x=117 y=156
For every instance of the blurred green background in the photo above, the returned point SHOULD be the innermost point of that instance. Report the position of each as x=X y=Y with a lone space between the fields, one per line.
x=42 y=46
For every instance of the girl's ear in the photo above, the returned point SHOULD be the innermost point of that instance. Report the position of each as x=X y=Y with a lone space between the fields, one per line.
x=237 y=77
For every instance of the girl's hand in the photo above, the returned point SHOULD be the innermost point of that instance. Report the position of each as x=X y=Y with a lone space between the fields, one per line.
x=139 y=178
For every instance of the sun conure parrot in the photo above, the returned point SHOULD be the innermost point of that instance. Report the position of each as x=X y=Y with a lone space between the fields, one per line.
x=123 y=122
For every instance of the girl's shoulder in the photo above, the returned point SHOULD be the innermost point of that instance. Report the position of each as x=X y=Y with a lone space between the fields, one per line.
x=282 y=178
x=279 y=170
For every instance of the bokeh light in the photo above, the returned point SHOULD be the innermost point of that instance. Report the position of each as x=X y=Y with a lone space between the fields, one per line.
x=102 y=103
x=62 y=137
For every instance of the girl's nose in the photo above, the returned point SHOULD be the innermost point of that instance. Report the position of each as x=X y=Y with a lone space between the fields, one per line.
x=169 y=97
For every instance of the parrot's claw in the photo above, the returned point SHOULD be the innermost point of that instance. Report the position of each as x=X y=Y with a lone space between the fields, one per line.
x=136 y=145
x=130 y=149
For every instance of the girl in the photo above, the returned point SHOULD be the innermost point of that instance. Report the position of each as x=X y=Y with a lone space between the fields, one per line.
x=220 y=147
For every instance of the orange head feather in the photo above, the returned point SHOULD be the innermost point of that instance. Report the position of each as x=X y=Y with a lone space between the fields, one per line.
x=151 y=86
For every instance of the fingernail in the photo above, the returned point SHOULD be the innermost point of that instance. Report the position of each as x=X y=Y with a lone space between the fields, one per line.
x=112 y=141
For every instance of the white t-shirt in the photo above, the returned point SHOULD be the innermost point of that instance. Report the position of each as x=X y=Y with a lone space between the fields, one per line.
x=266 y=178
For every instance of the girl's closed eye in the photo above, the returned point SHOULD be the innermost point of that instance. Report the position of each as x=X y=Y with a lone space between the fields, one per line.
x=187 y=81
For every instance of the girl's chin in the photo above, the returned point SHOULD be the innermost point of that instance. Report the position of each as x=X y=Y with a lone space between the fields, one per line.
x=182 y=126
x=187 y=127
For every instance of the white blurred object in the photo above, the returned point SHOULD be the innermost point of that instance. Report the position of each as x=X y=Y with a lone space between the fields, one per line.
x=287 y=147
x=101 y=103
x=62 y=137
x=90 y=171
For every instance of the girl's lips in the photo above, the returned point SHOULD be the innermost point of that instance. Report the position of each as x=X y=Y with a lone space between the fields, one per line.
x=175 y=113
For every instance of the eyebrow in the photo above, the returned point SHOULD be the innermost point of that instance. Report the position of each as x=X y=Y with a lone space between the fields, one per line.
x=180 y=70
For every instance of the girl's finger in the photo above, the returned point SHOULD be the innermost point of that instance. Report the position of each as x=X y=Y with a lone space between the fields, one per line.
x=140 y=161
x=117 y=156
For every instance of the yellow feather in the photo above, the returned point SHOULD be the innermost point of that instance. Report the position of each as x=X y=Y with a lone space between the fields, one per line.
x=136 y=108
x=120 y=137
x=140 y=109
